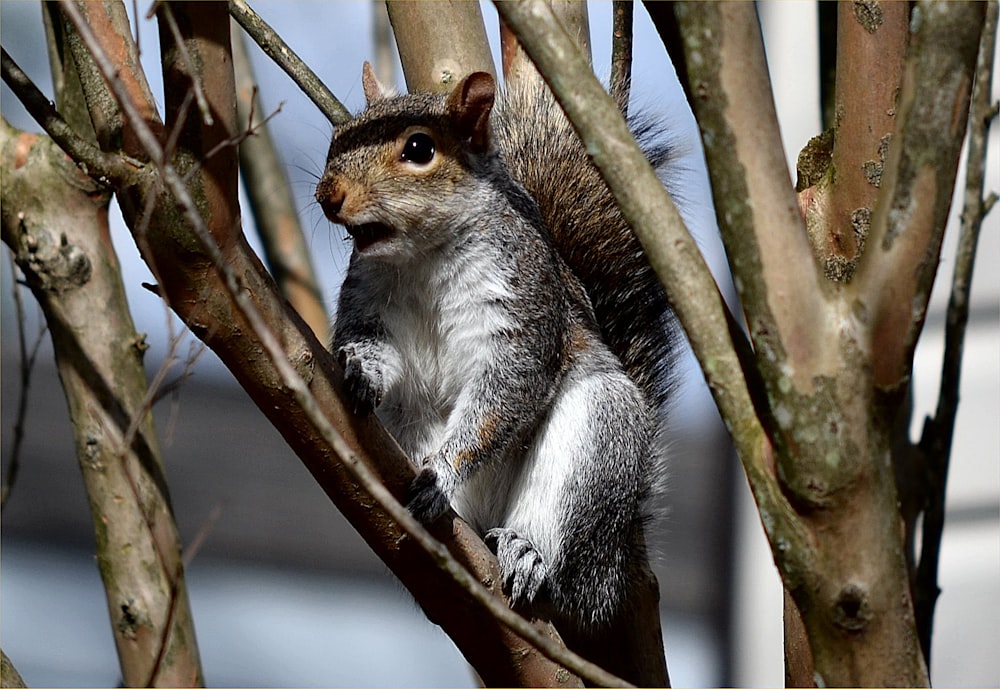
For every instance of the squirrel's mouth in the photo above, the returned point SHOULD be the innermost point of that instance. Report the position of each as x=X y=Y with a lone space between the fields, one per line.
x=368 y=234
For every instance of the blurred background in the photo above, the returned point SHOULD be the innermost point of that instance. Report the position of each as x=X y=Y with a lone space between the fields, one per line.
x=285 y=593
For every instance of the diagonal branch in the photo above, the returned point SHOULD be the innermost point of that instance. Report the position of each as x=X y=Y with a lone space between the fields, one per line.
x=275 y=48
x=93 y=160
x=774 y=271
x=671 y=252
x=221 y=291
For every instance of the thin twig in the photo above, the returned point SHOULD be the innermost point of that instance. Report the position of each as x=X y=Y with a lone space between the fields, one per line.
x=170 y=145
x=237 y=139
x=286 y=250
x=154 y=390
x=185 y=58
x=195 y=349
x=276 y=48
x=290 y=378
x=172 y=386
x=938 y=433
x=621 y=53
x=203 y=532
x=26 y=363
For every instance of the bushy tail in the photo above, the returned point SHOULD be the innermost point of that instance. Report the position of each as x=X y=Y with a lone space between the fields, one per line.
x=543 y=153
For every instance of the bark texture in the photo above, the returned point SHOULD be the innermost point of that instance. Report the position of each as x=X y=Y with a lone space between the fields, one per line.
x=54 y=219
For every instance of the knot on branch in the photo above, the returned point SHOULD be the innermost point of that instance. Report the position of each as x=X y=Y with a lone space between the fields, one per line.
x=133 y=617
x=852 y=611
x=49 y=264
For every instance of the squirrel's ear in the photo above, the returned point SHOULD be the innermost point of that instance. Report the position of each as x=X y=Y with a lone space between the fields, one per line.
x=373 y=88
x=469 y=106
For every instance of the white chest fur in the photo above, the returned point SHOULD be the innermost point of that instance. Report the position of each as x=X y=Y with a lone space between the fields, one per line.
x=441 y=320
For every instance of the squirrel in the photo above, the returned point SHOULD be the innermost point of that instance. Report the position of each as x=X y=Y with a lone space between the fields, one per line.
x=500 y=319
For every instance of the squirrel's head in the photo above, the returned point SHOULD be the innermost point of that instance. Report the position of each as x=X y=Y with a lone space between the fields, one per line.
x=399 y=174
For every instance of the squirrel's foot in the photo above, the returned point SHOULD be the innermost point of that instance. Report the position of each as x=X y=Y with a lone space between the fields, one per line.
x=427 y=501
x=362 y=377
x=521 y=565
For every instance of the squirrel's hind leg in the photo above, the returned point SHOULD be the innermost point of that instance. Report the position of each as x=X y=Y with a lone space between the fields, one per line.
x=572 y=517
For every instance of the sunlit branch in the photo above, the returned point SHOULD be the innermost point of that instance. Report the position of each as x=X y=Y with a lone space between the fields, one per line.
x=275 y=47
x=113 y=168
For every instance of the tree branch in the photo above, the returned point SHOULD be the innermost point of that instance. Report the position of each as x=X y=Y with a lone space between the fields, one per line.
x=871 y=47
x=94 y=162
x=268 y=191
x=166 y=15
x=936 y=440
x=9 y=676
x=55 y=221
x=275 y=48
x=665 y=21
x=383 y=59
x=621 y=53
x=827 y=18
x=439 y=42
x=897 y=271
x=210 y=277
x=788 y=315
x=110 y=21
x=672 y=253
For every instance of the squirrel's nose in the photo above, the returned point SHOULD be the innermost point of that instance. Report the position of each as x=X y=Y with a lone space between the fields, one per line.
x=330 y=196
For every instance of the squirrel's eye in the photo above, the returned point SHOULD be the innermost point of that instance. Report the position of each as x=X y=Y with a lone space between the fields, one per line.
x=419 y=149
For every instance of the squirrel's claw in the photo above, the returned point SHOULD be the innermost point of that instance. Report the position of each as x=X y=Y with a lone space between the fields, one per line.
x=521 y=566
x=362 y=379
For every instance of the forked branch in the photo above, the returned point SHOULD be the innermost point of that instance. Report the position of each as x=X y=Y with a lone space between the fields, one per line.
x=236 y=308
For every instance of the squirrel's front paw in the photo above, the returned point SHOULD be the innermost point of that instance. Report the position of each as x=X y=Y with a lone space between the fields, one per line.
x=427 y=500
x=521 y=566
x=363 y=382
